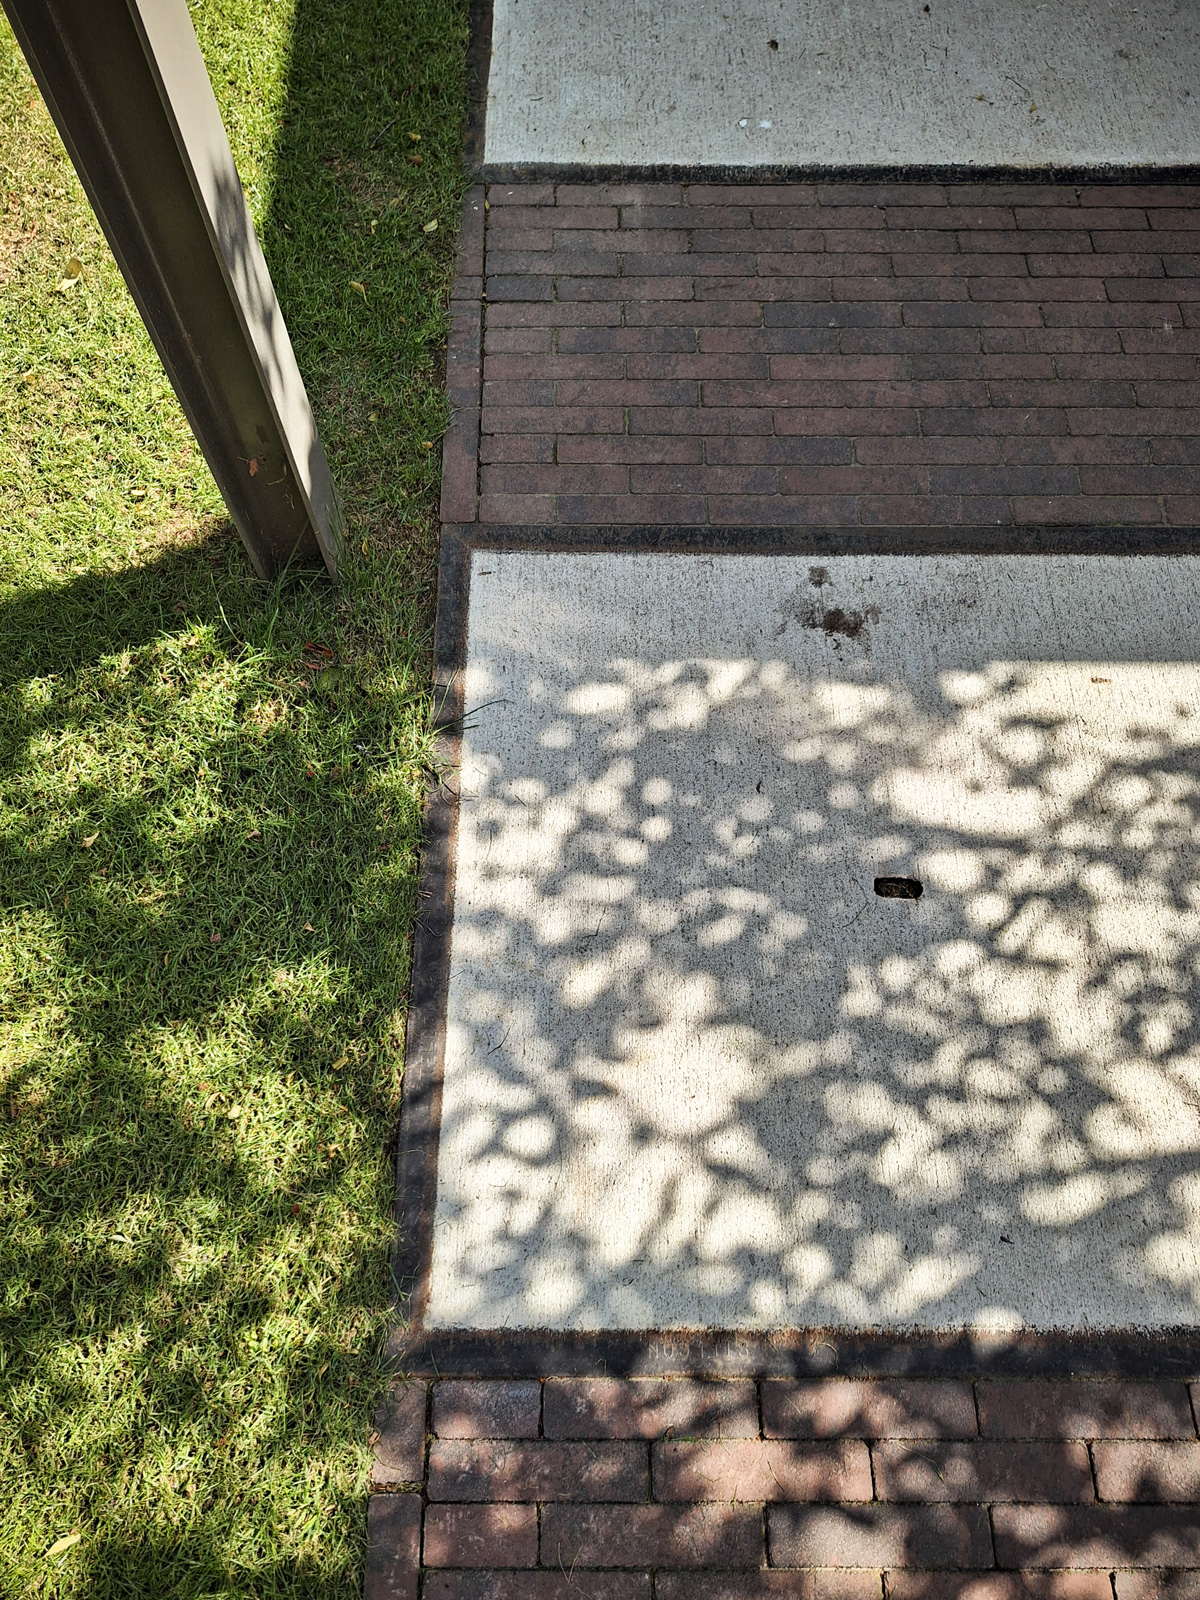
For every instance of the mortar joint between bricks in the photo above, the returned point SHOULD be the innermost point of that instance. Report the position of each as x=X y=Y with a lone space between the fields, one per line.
x=428 y=1440
x=992 y=1533
x=1089 y=1446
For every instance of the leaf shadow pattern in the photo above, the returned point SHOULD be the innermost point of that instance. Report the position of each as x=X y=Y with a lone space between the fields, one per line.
x=207 y=872
x=697 y=1074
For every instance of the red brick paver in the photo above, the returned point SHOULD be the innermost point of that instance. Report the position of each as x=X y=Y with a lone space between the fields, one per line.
x=656 y=1488
x=841 y=354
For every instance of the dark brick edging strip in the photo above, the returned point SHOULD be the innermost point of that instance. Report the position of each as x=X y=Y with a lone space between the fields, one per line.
x=464 y=367
x=1105 y=173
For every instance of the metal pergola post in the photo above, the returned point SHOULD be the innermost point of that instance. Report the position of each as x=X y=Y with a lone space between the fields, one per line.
x=127 y=87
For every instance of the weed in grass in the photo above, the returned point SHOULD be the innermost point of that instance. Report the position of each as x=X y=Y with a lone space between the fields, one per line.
x=208 y=842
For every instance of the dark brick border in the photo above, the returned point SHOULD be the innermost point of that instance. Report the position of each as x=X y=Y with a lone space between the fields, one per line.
x=464 y=366
x=801 y=172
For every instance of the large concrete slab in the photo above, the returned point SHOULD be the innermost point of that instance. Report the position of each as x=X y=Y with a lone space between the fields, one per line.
x=973 y=83
x=698 y=1074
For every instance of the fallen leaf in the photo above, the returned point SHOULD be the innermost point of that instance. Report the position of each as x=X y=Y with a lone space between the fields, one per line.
x=417 y=161
x=340 y=1062
x=234 y=1113
x=255 y=833
x=426 y=444
x=361 y=287
x=415 y=137
x=329 y=679
x=308 y=928
x=89 y=841
x=216 y=939
x=253 y=465
x=65 y=1543
x=71 y=276
x=430 y=227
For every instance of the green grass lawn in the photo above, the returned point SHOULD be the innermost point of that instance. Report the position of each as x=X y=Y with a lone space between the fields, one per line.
x=208 y=842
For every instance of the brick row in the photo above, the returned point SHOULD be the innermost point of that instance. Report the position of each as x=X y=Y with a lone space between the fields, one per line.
x=927 y=1537
x=668 y=1411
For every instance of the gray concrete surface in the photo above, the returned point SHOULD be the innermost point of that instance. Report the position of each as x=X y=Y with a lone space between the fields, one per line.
x=1013 y=83
x=698 y=1074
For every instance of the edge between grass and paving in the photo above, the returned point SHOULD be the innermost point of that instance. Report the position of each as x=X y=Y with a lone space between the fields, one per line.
x=210 y=814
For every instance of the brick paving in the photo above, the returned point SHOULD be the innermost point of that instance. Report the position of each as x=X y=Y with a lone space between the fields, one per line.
x=839 y=355
x=795 y=355
x=841 y=1488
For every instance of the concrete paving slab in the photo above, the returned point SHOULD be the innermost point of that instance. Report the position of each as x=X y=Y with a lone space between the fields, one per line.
x=698 y=1072
x=759 y=83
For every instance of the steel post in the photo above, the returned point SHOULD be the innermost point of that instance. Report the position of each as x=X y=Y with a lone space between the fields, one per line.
x=126 y=85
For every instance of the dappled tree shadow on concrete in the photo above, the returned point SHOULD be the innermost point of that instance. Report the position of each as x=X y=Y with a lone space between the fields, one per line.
x=699 y=1075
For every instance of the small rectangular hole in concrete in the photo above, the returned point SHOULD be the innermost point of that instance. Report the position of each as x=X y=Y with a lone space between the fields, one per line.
x=899 y=888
